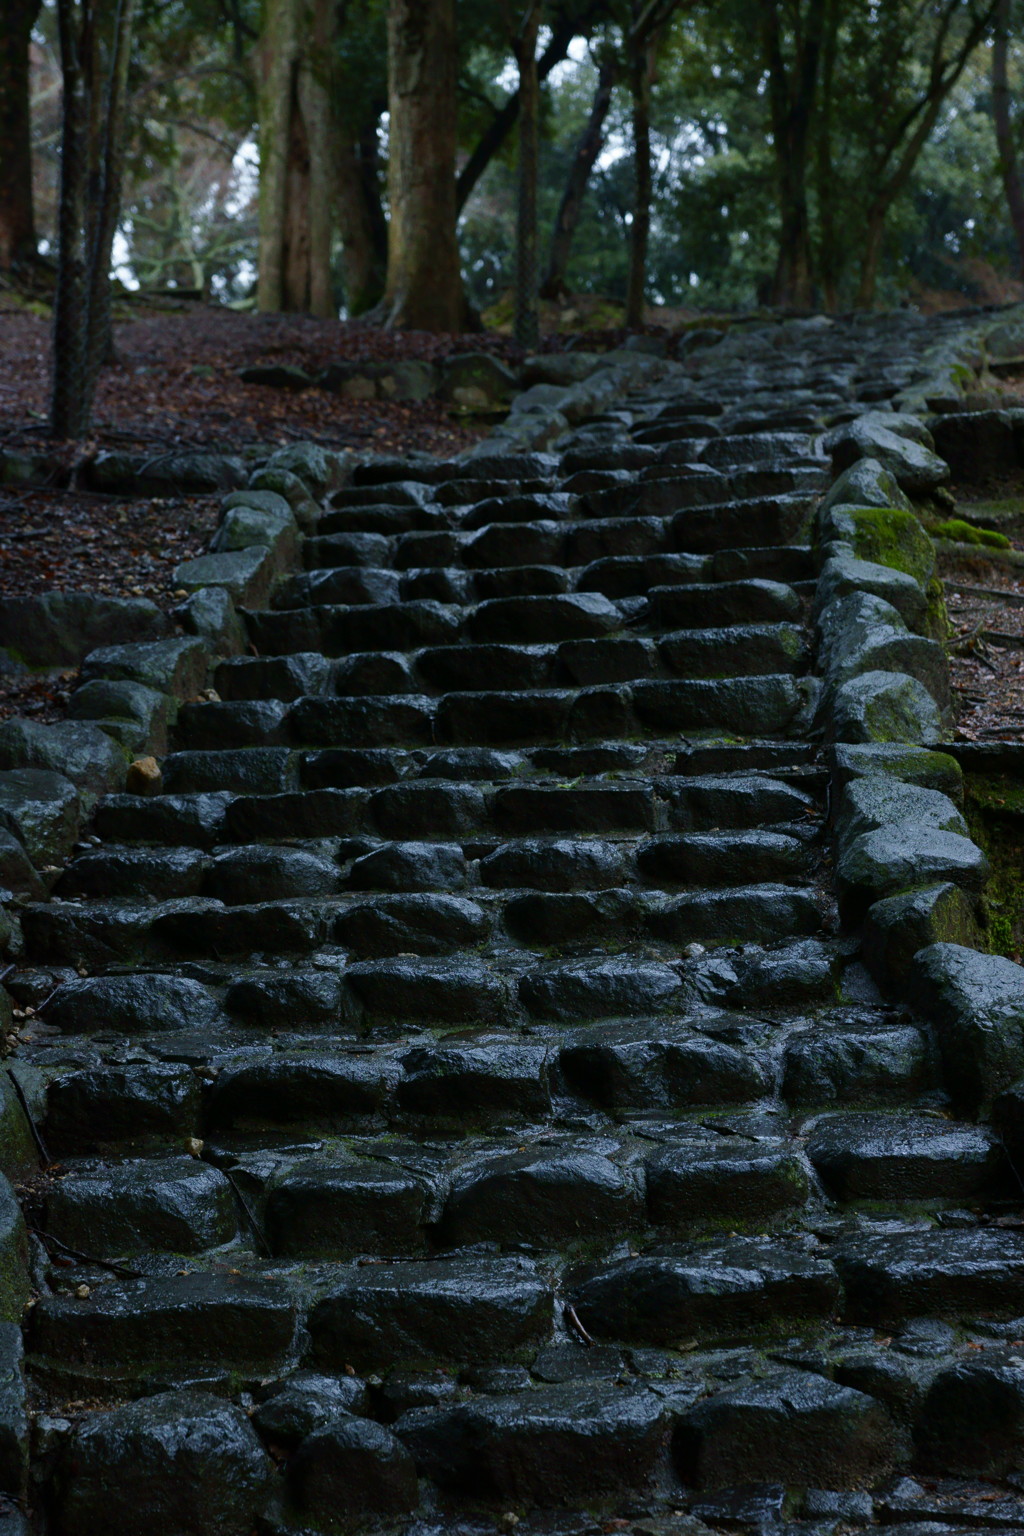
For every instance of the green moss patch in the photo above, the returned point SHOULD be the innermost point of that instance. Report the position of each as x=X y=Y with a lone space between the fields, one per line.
x=890 y=537
x=961 y=532
x=995 y=814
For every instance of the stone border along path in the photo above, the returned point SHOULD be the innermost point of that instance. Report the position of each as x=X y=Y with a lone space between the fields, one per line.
x=458 y=1097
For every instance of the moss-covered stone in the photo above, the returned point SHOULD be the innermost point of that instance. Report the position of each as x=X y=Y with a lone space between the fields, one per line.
x=962 y=532
x=14 y=1274
x=883 y=707
x=17 y=1149
x=898 y=926
x=995 y=815
x=892 y=537
x=936 y=623
x=913 y=765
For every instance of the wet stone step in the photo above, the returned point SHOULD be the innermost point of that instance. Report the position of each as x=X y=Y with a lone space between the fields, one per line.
x=145 y=1105
x=960 y=1273
x=443 y=1311
x=556 y=1444
x=176 y=1205
x=243 y=771
x=739 y=602
x=721 y=1292
x=170 y=1327
x=906 y=1157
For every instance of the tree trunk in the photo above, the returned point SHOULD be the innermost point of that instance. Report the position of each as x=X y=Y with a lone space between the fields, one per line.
x=899 y=154
x=584 y=157
x=1004 y=134
x=278 y=61
x=641 y=70
x=362 y=225
x=95 y=47
x=424 y=287
x=314 y=103
x=295 y=158
x=829 y=258
x=871 y=259
x=17 y=221
x=68 y=417
x=791 y=94
x=108 y=145
x=295 y=242
x=527 y=318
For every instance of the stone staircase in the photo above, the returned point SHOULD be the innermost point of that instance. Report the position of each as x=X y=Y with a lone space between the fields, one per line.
x=460 y=1100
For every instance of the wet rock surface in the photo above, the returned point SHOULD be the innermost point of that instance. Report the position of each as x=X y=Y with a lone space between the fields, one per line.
x=474 y=1107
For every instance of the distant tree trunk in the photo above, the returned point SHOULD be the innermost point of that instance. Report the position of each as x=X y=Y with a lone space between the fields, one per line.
x=1004 y=133
x=898 y=155
x=871 y=256
x=278 y=62
x=364 y=230
x=828 y=246
x=295 y=158
x=640 y=72
x=791 y=94
x=424 y=287
x=106 y=172
x=69 y=413
x=315 y=106
x=95 y=42
x=588 y=148
x=17 y=221
x=527 y=317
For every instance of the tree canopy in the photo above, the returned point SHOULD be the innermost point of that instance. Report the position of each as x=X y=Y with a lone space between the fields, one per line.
x=420 y=163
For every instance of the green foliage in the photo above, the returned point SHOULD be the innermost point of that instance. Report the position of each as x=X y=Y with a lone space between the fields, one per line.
x=715 y=221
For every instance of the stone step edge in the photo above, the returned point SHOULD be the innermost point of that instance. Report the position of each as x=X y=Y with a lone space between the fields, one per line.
x=921 y=943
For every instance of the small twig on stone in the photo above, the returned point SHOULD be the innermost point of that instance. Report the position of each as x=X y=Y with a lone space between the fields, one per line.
x=250 y=1214
x=36 y=1133
x=49 y=1241
x=569 y=1313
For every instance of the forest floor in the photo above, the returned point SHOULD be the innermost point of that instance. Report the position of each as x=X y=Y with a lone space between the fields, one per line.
x=175 y=384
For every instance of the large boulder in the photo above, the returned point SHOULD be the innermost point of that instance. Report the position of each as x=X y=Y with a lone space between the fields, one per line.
x=883 y=707
x=76 y=750
x=56 y=629
x=976 y=1005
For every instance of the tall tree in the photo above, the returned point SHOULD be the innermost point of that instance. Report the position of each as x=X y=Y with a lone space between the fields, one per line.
x=1008 y=167
x=925 y=47
x=359 y=98
x=424 y=285
x=296 y=172
x=362 y=223
x=17 y=220
x=571 y=20
x=95 y=45
x=527 y=318
x=791 y=57
x=587 y=149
